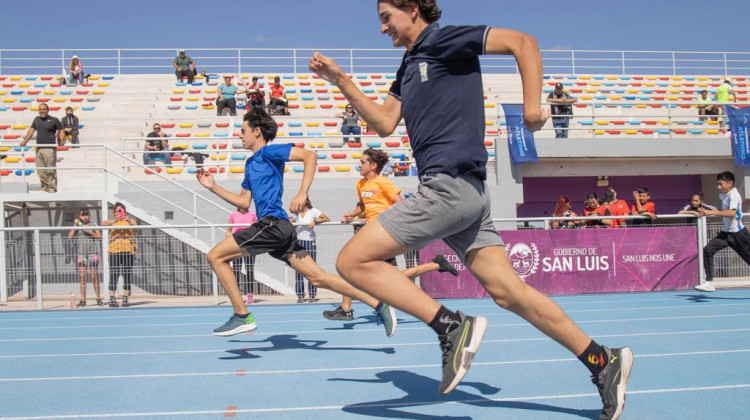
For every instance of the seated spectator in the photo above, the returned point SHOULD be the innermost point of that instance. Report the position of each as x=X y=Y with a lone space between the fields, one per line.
x=350 y=123
x=707 y=107
x=563 y=209
x=242 y=94
x=594 y=208
x=155 y=149
x=278 y=103
x=643 y=206
x=227 y=92
x=256 y=95
x=562 y=111
x=616 y=207
x=696 y=205
x=70 y=125
x=184 y=67
x=76 y=71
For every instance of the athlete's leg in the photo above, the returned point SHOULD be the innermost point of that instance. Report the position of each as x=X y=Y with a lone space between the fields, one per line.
x=361 y=263
x=492 y=268
x=417 y=271
x=219 y=258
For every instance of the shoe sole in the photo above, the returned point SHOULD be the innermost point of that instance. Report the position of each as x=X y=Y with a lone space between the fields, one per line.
x=480 y=326
x=394 y=321
x=698 y=288
x=626 y=361
x=330 y=318
x=239 y=330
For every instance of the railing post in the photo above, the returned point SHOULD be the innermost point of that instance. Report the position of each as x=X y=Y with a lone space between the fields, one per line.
x=702 y=233
x=1 y=62
x=674 y=65
x=3 y=272
x=214 y=279
x=239 y=62
x=105 y=252
x=294 y=62
x=573 y=60
x=62 y=61
x=622 y=59
x=351 y=61
x=119 y=63
x=38 y=270
x=726 y=68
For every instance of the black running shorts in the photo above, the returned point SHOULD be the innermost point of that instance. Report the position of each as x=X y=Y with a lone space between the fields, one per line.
x=270 y=235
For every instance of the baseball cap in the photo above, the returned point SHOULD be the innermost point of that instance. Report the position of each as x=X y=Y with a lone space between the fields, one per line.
x=181 y=50
x=75 y=56
x=559 y=86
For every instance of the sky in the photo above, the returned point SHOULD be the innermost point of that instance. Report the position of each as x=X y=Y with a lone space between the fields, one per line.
x=650 y=25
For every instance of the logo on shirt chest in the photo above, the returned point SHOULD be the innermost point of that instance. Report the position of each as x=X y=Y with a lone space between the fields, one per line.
x=368 y=194
x=423 y=71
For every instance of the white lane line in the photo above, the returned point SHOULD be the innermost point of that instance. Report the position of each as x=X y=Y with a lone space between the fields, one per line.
x=118 y=314
x=374 y=345
x=346 y=369
x=365 y=330
x=309 y=320
x=377 y=405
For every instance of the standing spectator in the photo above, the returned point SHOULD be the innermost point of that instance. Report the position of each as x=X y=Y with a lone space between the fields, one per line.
x=278 y=102
x=50 y=132
x=350 y=123
x=733 y=234
x=707 y=107
x=695 y=206
x=256 y=94
x=722 y=98
x=308 y=218
x=122 y=251
x=87 y=251
x=76 y=71
x=562 y=113
x=226 y=97
x=248 y=286
x=643 y=206
x=184 y=66
x=71 y=125
x=616 y=207
x=155 y=149
x=594 y=208
x=563 y=209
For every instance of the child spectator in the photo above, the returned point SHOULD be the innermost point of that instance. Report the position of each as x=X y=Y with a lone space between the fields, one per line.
x=563 y=209
x=87 y=251
x=643 y=206
x=695 y=206
x=733 y=234
x=308 y=217
x=616 y=207
x=594 y=208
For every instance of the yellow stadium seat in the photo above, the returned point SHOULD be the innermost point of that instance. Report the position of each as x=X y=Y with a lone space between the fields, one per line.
x=676 y=77
x=24 y=85
x=320 y=83
x=192 y=99
x=673 y=98
x=312 y=124
x=312 y=144
x=586 y=97
x=489 y=105
x=600 y=122
x=222 y=156
x=664 y=122
x=712 y=122
x=58 y=99
x=596 y=83
x=342 y=168
x=303 y=76
x=309 y=106
x=710 y=131
x=14 y=78
x=650 y=84
x=641 y=106
x=383 y=90
x=650 y=77
x=201 y=135
x=12 y=159
x=9 y=100
x=341 y=106
x=676 y=91
x=239 y=169
x=4 y=148
x=291 y=97
x=631 y=131
x=598 y=132
x=98 y=92
x=332 y=133
x=49 y=92
x=288 y=83
x=702 y=78
x=336 y=90
x=34 y=108
x=585 y=77
x=174 y=170
x=210 y=90
x=102 y=84
x=633 y=91
x=321 y=144
x=186 y=125
x=19 y=127
x=356 y=155
x=611 y=77
x=281 y=134
x=245 y=76
x=489 y=123
x=616 y=97
x=94 y=77
x=178 y=91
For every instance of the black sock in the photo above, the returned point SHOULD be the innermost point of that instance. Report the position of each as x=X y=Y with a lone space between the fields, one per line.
x=594 y=357
x=241 y=316
x=380 y=305
x=445 y=321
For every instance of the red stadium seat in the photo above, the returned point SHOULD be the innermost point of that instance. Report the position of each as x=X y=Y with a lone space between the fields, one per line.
x=324 y=168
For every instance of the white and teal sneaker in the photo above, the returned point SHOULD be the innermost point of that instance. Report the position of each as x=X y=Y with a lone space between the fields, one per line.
x=236 y=325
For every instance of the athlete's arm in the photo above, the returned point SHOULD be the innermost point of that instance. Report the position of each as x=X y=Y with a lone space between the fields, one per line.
x=526 y=51
x=383 y=119
x=241 y=200
x=309 y=160
x=717 y=212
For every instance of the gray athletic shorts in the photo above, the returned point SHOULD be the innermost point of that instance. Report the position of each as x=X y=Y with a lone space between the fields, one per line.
x=456 y=210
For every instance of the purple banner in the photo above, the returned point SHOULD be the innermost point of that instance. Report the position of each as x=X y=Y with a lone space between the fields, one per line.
x=572 y=261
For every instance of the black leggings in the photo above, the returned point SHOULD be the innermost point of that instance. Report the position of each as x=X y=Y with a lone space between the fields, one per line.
x=738 y=241
x=246 y=285
x=120 y=263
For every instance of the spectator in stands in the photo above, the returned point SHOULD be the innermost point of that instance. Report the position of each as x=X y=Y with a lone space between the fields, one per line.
x=643 y=206
x=227 y=91
x=256 y=94
x=695 y=206
x=616 y=206
x=50 y=132
x=307 y=218
x=184 y=67
x=562 y=112
x=157 y=149
x=76 y=71
x=707 y=107
x=242 y=94
x=122 y=251
x=722 y=98
x=248 y=286
x=350 y=123
x=733 y=234
x=594 y=208
x=87 y=251
x=563 y=209
x=278 y=102
x=70 y=125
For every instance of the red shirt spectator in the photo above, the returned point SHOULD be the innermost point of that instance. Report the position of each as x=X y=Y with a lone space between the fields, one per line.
x=593 y=208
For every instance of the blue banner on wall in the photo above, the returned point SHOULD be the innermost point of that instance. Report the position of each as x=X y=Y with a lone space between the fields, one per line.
x=738 y=119
x=520 y=139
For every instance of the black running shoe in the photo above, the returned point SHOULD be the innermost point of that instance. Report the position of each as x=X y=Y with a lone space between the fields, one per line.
x=459 y=347
x=99 y=302
x=339 y=314
x=444 y=265
x=125 y=302
x=612 y=382
x=113 y=303
x=81 y=304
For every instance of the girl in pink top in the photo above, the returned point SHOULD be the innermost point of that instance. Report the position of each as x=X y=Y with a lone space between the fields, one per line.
x=246 y=218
